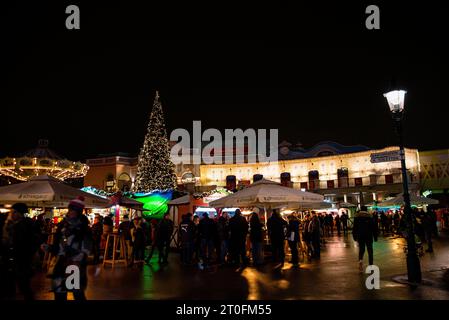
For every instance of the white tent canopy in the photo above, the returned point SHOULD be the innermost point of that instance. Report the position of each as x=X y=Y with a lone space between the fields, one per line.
x=305 y=206
x=414 y=200
x=345 y=205
x=266 y=193
x=46 y=191
x=180 y=201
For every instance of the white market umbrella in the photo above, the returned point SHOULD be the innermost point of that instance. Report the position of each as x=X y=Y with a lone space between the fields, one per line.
x=266 y=193
x=346 y=205
x=306 y=206
x=414 y=200
x=46 y=191
x=180 y=201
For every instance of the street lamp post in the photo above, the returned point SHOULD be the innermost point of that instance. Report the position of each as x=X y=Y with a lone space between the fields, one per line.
x=396 y=103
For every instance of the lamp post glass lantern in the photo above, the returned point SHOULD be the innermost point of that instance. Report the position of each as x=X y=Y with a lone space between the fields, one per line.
x=395 y=101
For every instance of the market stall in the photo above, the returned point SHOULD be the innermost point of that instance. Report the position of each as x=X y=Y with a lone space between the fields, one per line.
x=48 y=193
x=414 y=200
x=268 y=195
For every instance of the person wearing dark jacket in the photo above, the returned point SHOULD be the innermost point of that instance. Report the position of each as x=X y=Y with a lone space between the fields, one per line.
x=428 y=226
x=293 y=238
x=151 y=240
x=238 y=231
x=20 y=240
x=322 y=219
x=187 y=234
x=163 y=238
x=338 y=224
x=314 y=230
x=307 y=236
x=196 y=239
x=344 y=222
x=396 y=221
x=256 y=238
x=276 y=231
x=207 y=230
x=125 y=231
x=97 y=232
x=223 y=236
x=138 y=237
x=364 y=232
x=72 y=245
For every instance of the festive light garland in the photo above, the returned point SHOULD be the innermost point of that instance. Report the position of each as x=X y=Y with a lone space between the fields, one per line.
x=209 y=193
x=25 y=167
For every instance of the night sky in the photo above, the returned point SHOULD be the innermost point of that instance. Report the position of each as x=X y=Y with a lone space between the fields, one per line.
x=314 y=72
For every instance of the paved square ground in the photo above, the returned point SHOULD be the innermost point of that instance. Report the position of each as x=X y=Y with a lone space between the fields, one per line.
x=335 y=276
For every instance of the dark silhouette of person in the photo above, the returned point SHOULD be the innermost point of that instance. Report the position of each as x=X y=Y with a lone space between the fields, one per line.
x=238 y=230
x=364 y=232
x=276 y=231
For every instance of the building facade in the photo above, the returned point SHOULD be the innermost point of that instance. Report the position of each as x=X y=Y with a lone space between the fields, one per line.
x=340 y=173
x=434 y=174
x=111 y=172
x=118 y=171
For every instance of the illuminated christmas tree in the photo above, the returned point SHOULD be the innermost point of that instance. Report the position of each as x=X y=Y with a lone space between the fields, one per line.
x=155 y=170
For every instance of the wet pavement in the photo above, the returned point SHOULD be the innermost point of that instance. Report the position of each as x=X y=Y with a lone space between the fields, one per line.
x=335 y=276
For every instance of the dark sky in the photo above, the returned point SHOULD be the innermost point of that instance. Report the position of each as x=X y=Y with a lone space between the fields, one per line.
x=314 y=72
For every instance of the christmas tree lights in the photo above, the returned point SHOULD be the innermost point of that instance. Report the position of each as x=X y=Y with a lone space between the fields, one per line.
x=155 y=170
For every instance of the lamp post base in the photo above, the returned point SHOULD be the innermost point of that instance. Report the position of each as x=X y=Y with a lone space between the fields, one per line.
x=413 y=268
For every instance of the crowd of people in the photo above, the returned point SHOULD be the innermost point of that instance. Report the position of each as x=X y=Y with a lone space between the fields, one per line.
x=203 y=241
x=227 y=240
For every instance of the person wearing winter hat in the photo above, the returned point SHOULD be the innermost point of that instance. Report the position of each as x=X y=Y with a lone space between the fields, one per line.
x=77 y=204
x=72 y=245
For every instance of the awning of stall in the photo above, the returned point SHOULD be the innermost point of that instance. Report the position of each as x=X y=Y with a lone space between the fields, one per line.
x=267 y=193
x=46 y=191
x=184 y=200
x=346 y=205
x=414 y=200
x=121 y=200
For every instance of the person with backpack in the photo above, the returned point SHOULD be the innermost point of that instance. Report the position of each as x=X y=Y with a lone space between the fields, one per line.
x=71 y=247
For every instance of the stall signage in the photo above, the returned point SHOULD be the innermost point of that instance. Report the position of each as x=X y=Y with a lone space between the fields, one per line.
x=385 y=156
